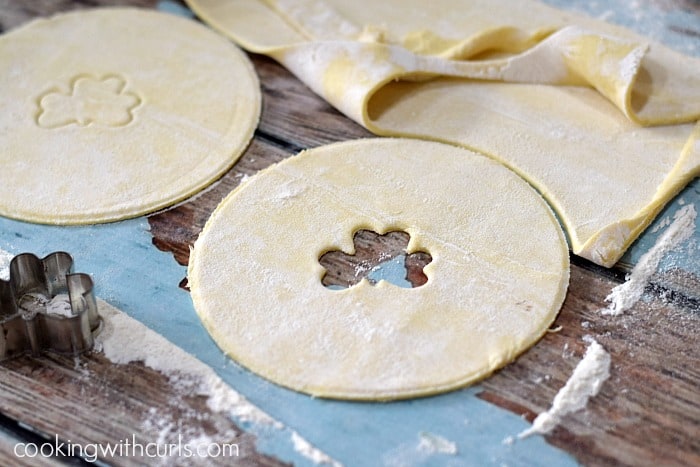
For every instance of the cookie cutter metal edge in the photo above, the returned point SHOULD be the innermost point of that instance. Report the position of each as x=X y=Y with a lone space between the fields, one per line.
x=23 y=332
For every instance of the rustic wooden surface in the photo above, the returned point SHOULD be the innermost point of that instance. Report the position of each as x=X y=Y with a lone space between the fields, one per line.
x=91 y=400
x=648 y=412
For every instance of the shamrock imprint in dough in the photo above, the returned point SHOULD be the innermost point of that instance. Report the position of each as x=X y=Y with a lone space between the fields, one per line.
x=88 y=100
x=372 y=251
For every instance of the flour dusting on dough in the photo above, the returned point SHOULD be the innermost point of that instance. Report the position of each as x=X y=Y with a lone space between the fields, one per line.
x=626 y=295
x=280 y=304
x=584 y=383
x=147 y=147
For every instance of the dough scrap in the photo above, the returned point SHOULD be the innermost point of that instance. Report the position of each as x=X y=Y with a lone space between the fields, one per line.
x=559 y=98
x=112 y=113
x=493 y=287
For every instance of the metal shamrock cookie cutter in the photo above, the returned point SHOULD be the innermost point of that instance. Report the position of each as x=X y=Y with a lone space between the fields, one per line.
x=44 y=307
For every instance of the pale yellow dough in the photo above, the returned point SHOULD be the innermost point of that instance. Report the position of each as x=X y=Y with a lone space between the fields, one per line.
x=564 y=100
x=498 y=276
x=113 y=113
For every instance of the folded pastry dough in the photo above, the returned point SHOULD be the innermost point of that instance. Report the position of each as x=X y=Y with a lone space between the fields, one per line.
x=112 y=113
x=597 y=118
x=493 y=287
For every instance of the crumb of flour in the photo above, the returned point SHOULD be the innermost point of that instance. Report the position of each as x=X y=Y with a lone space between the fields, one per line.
x=624 y=296
x=431 y=443
x=59 y=306
x=584 y=383
x=307 y=450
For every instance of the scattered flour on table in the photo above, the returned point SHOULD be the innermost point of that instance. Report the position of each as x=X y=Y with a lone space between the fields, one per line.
x=304 y=448
x=594 y=368
x=5 y=259
x=431 y=443
x=124 y=339
x=584 y=383
x=624 y=296
x=665 y=222
x=420 y=451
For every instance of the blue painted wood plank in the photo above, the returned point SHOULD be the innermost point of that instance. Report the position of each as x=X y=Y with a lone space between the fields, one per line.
x=133 y=275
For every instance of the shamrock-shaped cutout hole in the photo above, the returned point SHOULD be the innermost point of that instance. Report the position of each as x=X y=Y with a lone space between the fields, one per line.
x=376 y=257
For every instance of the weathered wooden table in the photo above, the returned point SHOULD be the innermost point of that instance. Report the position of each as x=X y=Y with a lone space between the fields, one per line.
x=648 y=412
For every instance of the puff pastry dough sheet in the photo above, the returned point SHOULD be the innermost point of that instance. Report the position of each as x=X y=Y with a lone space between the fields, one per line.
x=113 y=113
x=599 y=119
x=494 y=286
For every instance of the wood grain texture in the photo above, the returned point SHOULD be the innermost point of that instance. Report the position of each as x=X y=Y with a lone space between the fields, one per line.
x=371 y=250
x=92 y=400
x=648 y=411
x=8 y=447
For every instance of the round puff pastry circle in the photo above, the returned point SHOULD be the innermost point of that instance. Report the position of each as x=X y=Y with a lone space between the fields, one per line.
x=113 y=113
x=497 y=280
